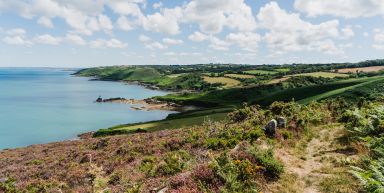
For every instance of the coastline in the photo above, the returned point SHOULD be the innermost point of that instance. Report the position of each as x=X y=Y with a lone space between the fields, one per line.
x=148 y=104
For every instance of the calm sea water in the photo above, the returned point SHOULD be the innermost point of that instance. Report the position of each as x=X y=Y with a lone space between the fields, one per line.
x=46 y=105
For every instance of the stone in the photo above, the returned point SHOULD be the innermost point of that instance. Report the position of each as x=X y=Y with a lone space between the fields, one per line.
x=99 y=100
x=101 y=144
x=270 y=128
x=281 y=122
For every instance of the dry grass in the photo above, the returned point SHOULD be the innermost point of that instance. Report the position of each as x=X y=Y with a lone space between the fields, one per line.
x=278 y=80
x=364 y=69
x=244 y=76
x=315 y=164
x=228 y=82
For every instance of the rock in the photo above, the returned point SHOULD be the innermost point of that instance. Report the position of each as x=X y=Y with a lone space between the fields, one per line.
x=2 y=180
x=281 y=122
x=101 y=144
x=85 y=159
x=270 y=128
x=99 y=100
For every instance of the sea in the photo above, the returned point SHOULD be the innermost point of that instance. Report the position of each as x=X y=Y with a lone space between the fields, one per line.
x=42 y=105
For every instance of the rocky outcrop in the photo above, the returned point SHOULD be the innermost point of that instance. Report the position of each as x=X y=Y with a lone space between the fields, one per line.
x=281 y=122
x=270 y=128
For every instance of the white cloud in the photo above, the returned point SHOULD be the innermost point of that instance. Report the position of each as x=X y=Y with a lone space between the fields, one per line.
x=16 y=40
x=165 y=22
x=150 y=44
x=288 y=32
x=83 y=17
x=126 y=7
x=16 y=31
x=155 y=45
x=75 y=39
x=342 y=8
x=45 y=21
x=112 y=43
x=212 y=16
x=47 y=39
x=198 y=37
x=347 y=32
x=105 y=23
x=170 y=41
x=144 y=38
x=157 y=5
x=124 y=24
x=218 y=44
x=248 y=41
x=378 y=39
x=16 y=36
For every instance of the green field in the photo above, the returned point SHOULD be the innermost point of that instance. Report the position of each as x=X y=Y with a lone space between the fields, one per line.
x=179 y=121
x=227 y=82
x=364 y=89
x=260 y=72
x=282 y=69
x=322 y=74
x=263 y=95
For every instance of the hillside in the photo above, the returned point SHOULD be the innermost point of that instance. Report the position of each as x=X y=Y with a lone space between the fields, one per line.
x=313 y=152
x=328 y=136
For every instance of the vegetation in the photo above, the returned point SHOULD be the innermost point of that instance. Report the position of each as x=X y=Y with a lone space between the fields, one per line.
x=240 y=76
x=227 y=82
x=333 y=127
x=322 y=74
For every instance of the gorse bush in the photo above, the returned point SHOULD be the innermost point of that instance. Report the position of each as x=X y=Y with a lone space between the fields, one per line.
x=9 y=186
x=239 y=171
x=273 y=168
x=173 y=162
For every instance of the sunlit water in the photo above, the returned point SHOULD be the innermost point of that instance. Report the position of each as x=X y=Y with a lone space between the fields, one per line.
x=46 y=105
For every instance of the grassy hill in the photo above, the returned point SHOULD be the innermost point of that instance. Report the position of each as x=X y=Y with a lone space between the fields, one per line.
x=266 y=94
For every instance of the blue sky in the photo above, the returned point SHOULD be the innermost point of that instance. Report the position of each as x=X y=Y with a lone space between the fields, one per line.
x=72 y=33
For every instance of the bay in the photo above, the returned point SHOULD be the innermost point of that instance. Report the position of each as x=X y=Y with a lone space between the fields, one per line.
x=41 y=105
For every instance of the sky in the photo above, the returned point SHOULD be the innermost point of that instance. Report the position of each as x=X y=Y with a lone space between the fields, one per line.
x=84 y=33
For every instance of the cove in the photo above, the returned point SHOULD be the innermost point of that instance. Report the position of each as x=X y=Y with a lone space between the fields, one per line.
x=42 y=105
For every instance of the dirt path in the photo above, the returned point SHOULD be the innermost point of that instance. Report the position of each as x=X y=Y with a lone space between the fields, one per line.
x=312 y=161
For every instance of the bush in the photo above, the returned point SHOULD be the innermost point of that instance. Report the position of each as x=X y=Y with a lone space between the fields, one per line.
x=148 y=165
x=273 y=167
x=173 y=162
x=9 y=186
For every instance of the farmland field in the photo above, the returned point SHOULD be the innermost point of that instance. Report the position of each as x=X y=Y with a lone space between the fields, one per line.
x=228 y=82
x=277 y=80
x=364 y=69
x=282 y=69
x=245 y=76
x=322 y=74
x=260 y=72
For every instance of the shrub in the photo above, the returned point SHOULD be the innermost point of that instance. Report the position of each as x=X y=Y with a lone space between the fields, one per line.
x=286 y=134
x=9 y=185
x=148 y=165
x=265 y=158
x=235 y=175
x=134 y=188
x=244 y=113
x=173 y=162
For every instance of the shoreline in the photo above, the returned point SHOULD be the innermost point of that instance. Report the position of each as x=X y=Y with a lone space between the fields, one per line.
x=148 y=104
x=136 y=104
